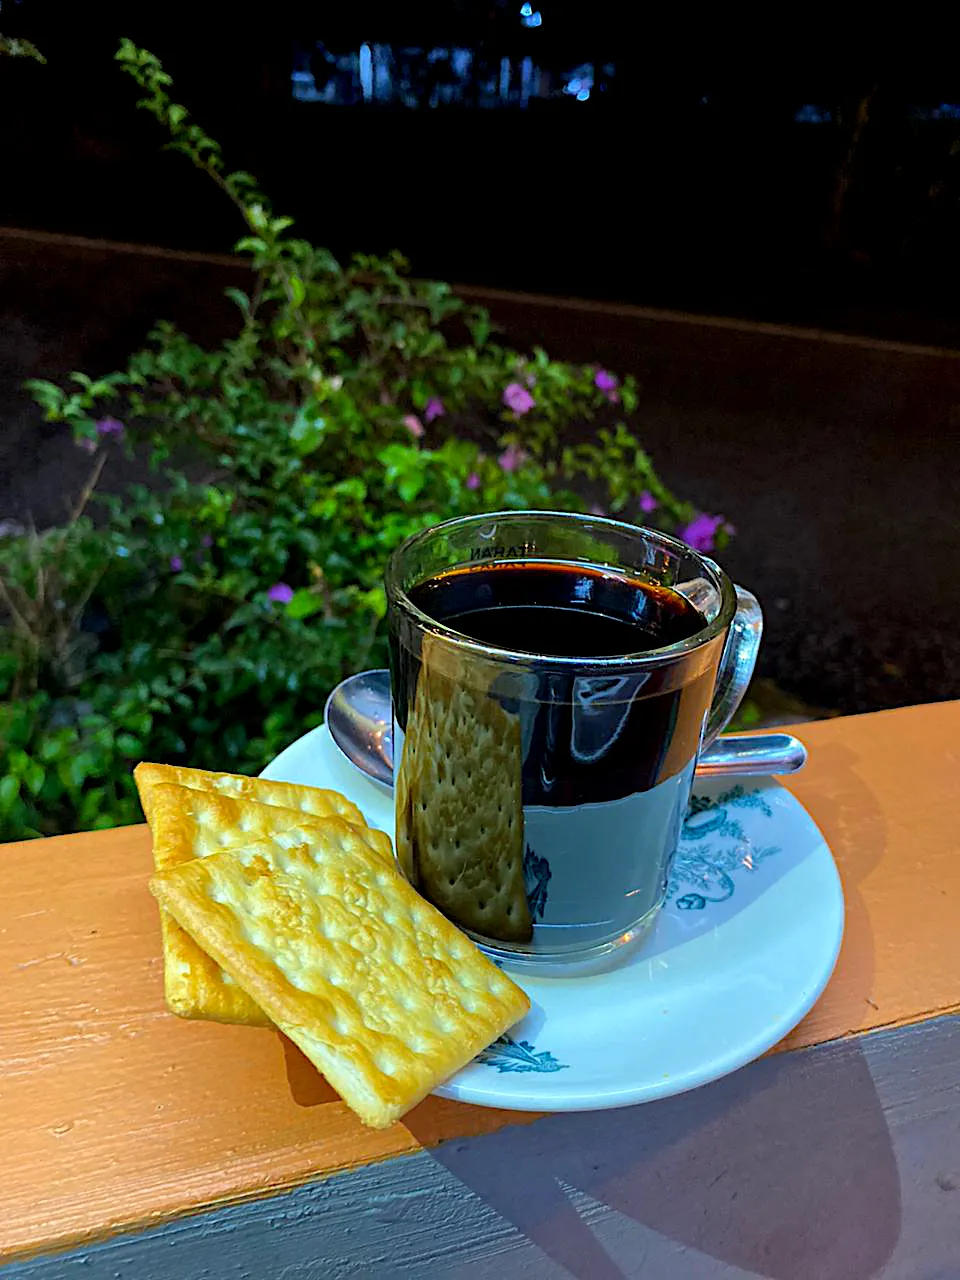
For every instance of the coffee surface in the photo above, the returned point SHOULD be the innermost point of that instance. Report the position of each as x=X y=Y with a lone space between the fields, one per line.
x=560 y=610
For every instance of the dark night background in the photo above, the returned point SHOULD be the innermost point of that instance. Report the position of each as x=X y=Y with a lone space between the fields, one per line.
x=686 y=181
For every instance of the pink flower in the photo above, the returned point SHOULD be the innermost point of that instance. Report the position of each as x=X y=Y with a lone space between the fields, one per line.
x=596 y=510
x=531 y=379
x=701 y=532
x=413 y=425
x=280 y=593
x=176 y=564
x=110 y=427
x=433 y=409
x=87 y=445
x=513 y=457
x=648 y=502
x=518 y=399
x=473 y=481
x=385 y=397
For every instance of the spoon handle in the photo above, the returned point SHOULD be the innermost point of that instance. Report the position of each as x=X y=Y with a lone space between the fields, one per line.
x=748 y=755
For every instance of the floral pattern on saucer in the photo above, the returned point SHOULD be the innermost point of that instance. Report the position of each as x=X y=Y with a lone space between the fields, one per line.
x=709 y=868
x=518 y=1055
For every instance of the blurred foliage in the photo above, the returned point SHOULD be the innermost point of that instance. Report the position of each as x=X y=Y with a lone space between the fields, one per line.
x=205 y=619
x=13 y=47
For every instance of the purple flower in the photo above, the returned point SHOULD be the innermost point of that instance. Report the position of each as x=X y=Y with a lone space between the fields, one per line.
x=176 y=564
x=513 y=456
x=206 y=540
x=280 y=593
x=413 y=425
x=110 y=427
x=596 y=510
x=87 y=445
x=607 y=383
x=700 y=532
x=531 y=379
x=472 y=481
x=433 y=409
x=648 y=502
x=518 y=399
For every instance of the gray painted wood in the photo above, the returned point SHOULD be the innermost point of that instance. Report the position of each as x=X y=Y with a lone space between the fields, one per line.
x=840 y=1162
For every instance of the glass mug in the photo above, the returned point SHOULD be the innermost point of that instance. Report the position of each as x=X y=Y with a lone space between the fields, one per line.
x=540 y=795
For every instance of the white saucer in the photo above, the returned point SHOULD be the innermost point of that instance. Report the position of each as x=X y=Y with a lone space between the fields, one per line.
x=745 y=945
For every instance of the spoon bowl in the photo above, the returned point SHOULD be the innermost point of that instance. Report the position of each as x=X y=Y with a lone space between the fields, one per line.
x=359 y=716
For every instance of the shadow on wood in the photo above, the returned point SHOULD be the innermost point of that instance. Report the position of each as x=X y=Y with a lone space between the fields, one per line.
x=785 y=1169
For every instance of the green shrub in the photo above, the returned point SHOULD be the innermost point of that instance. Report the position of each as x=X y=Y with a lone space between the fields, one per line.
x=207 y=616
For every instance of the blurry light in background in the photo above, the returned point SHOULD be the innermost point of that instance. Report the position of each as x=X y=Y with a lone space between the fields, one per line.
x=580 y=82
x=366 y=72
x=810 y=114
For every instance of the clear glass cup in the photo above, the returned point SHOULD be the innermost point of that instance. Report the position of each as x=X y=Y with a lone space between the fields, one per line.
x=540 y=796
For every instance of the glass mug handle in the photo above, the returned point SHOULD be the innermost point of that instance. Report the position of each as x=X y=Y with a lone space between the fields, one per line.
x=736 y=665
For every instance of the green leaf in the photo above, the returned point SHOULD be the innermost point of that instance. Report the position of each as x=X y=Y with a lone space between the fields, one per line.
x=239 y=297
x=308 y=430
x=304 y=604
x=480 y=329
x=410 y=485
x=375 y=600
x=354 y=488
x=33 y=776
x=9 y=791
x=297 y=291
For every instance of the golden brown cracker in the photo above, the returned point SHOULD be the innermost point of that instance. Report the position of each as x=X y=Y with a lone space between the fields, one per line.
x=382 y=994
x=190 y=824
x=289 y=795
x=459 y=807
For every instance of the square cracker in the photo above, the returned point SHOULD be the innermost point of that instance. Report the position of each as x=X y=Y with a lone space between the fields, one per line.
x=190 y=824
x=459 y=805
x=380 y=991
x=289 y=795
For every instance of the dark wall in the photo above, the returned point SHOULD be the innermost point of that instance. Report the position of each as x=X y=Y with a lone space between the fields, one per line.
x=689 y=183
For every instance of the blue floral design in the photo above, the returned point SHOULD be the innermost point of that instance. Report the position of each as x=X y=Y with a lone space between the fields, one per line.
x=518 y=1055
x=708 y=868
x=536 y=877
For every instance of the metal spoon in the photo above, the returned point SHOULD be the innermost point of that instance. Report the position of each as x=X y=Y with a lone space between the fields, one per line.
x=359 y=717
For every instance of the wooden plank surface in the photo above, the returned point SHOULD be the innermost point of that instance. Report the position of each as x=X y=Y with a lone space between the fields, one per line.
x=838 y=1162
x=114 y=1113
x=885 y=791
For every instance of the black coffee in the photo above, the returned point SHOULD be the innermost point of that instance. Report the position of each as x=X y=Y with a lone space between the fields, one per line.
x=588 y=738
x=561 y=610
x=528 y=792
